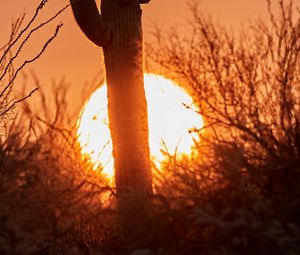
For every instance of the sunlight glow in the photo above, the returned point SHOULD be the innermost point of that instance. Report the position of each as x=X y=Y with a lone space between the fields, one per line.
x=170 y=123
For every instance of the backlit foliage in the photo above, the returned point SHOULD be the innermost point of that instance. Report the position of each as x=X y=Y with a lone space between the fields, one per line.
x=240 y=196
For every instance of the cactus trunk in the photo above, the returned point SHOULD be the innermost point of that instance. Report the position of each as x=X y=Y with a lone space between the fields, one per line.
x=119 y=31
x=127 y=105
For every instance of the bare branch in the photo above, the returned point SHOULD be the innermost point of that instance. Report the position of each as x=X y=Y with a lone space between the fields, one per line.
x=31 y=60
x=17 y=102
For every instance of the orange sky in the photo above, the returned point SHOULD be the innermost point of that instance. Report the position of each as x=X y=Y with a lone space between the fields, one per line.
x=73 y=56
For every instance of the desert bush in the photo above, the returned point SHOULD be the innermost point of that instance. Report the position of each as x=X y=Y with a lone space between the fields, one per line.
x=51 y=198
x=238 y=194
x=241 y=194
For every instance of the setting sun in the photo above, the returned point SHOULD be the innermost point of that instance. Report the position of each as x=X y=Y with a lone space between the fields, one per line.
x=170 y=122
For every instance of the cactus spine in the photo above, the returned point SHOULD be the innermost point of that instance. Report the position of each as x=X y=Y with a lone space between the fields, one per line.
x=118 y=30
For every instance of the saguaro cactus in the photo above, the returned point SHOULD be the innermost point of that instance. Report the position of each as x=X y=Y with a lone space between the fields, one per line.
x=118 y=30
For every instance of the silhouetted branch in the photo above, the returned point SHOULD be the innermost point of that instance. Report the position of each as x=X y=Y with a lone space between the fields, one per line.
x=32 y=31
x=8 y=71
x=17 y=102
x=24 y=30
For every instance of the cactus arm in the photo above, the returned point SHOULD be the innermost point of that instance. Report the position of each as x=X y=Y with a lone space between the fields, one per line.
x=144 y=1
x=91 y=22
x=126 y=2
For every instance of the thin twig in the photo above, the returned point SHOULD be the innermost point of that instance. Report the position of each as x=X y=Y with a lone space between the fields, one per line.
x=18 y=101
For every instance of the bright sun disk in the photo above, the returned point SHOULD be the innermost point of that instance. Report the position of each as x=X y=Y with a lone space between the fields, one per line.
x=170 y=123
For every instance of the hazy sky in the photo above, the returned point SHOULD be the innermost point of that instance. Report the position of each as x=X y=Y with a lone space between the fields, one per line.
x=73 y=56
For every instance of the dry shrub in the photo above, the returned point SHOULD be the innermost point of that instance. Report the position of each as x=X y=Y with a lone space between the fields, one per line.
x=52 y=199
x=241 y=195
x=238 y=195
